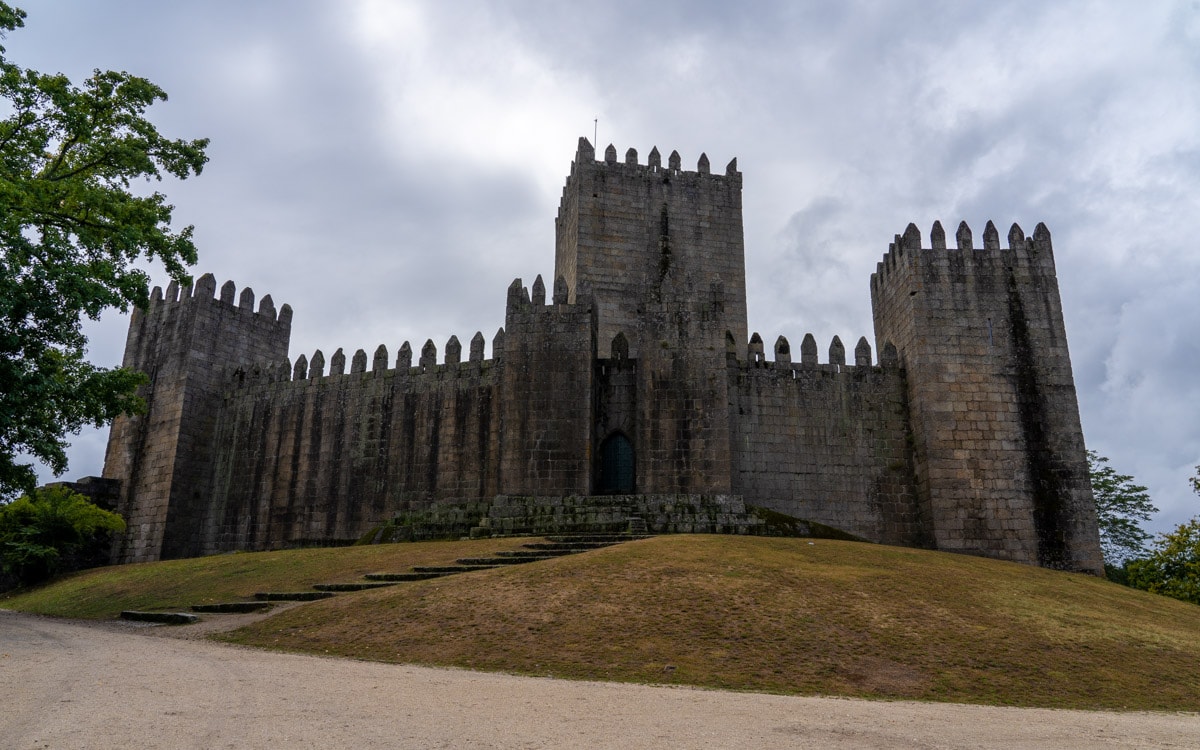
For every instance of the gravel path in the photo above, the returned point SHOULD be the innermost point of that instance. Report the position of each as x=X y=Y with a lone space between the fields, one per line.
x=68 y=684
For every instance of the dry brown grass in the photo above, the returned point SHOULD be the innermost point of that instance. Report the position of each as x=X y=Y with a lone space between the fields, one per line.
x=780 y=615
x=178 y=584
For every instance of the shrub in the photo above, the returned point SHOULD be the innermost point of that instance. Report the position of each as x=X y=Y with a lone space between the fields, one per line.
x=42 y=531
x=1173 y=566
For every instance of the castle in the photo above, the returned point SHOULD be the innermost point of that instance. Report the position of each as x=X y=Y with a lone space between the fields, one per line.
x=636 y=380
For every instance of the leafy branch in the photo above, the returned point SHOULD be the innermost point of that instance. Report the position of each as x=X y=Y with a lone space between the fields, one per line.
x=70 y=234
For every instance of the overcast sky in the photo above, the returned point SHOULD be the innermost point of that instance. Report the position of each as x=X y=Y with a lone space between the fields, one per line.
x=389 y=167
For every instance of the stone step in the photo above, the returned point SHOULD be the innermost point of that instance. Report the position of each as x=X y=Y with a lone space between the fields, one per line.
x=537 y=554
x=449 y=569
x=414 y=576
x=353 y=585
x=566 y=548
x=494 y=561
x=584 y=538
x=291 y=596
x=232 y=607
x=167 y=618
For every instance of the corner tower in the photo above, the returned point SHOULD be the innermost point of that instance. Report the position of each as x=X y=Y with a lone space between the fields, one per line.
x=625 y=229
x=184 y=342
x=998 y=447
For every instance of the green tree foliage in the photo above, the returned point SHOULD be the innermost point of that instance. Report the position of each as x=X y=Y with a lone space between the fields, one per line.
x=40 y=530
x=71 y=228
x=1173 y=565
x=1120 y=507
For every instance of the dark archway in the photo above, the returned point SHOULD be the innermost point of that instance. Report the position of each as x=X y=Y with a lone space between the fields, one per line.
x=616 y=466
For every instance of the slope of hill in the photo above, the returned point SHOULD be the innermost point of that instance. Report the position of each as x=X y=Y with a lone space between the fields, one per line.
x=778 y=615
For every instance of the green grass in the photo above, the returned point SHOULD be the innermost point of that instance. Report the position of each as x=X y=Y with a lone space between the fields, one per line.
x=777 y=615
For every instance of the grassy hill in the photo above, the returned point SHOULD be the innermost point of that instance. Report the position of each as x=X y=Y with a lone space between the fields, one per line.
x=779 y=615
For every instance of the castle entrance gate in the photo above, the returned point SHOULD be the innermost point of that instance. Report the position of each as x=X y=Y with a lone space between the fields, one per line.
x=616 y=466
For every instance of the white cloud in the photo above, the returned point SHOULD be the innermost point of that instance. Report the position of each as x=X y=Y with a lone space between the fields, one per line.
x=465 y=88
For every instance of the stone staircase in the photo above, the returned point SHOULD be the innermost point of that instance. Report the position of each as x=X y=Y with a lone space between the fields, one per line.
x=600 y=514
x=550 y=547
x=518 y=515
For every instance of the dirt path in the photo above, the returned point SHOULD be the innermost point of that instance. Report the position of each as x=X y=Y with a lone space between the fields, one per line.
x=73 y=685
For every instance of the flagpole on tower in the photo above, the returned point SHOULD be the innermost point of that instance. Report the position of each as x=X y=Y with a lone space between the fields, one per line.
x=596 y=132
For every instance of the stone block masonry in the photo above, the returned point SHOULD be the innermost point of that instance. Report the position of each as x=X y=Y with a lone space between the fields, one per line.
x=634 y=387
x=999 y=451
x=324 y=457
x=623 y=228
x=183 y=341
x=827 y=443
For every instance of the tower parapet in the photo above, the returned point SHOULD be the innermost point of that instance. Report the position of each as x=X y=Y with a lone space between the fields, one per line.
x=999 y=452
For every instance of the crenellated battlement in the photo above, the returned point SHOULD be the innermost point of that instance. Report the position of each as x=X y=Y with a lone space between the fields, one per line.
x=312 y=370
x=183 y=340
x=651 y=171
x=836 y=361
x=204 y=290
x=522 y=299
x=905 y=249
x=979 y=330
x=585 y=156
x=630 y=234
x=184 y=322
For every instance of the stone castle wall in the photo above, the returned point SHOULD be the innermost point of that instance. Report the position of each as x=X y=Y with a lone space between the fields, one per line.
x=299 y=455
x=323 y=457
x=304 y=455
x=826 y=442
x=683 y=428
x=547 y=397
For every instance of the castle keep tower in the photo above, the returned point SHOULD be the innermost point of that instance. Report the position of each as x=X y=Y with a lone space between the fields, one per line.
x=183 y=342
x=629 y=233
x=999 y=453
x=660 y=251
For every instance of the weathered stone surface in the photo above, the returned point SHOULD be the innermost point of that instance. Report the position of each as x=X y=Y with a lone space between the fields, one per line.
x=998 y=455
x=622 y=229
x=164 y=459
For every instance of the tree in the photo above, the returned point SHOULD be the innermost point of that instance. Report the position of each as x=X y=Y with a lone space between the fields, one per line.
x=1173 y=566
x=71 y=229
x=1120 y=506
x=39 y=531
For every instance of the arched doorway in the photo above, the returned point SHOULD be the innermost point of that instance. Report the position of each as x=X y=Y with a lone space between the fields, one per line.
x=616 y=466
